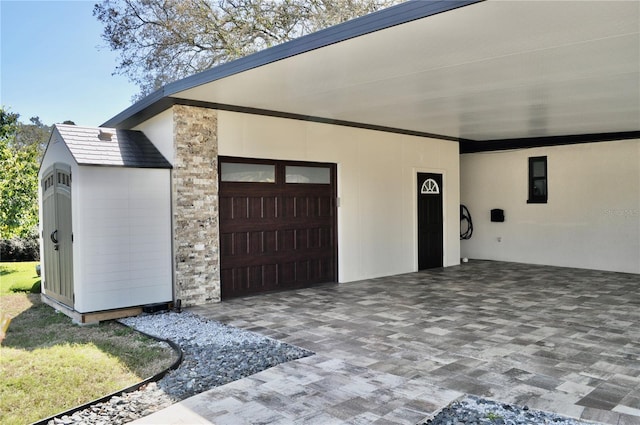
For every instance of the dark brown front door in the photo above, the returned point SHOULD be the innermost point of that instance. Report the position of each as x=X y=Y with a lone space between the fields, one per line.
x=277 y=225
x=430 y=221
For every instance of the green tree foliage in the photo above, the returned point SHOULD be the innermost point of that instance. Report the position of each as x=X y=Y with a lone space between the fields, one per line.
x=161 y=41
x=36 y=134
x=21 y=147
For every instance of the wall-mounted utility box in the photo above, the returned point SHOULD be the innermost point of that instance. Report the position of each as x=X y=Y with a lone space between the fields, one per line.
x=497 y=215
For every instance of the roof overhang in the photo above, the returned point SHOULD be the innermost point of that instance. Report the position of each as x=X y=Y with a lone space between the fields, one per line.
x=465 y=70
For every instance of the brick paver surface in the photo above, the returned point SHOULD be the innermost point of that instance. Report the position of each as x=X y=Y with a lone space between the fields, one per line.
x=395 y=350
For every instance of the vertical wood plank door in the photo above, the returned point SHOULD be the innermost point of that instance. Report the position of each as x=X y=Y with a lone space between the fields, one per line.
x=277 y=225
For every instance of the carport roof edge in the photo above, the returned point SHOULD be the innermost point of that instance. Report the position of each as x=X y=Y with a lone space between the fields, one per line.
x=396 y=15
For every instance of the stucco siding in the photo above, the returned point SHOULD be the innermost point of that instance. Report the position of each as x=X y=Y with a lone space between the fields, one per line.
x=591 y=219
x=122 y=238
x=377 y=233
x=159 y=130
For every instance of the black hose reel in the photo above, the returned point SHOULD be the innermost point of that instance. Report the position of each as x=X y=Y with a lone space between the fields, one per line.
x=466 y=225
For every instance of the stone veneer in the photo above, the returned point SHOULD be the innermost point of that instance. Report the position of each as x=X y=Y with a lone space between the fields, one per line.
x=195 y=205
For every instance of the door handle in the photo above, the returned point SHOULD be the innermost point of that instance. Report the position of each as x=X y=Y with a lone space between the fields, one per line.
x=54 y=236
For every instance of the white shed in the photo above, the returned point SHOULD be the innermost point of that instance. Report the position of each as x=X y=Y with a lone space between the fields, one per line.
x=105 y=214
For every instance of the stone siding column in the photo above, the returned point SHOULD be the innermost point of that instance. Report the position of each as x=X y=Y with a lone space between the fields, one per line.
x=195 y=205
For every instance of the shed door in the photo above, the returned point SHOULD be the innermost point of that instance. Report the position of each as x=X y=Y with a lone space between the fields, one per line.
x=57 y=236
x=430 y=221
x=277 y=225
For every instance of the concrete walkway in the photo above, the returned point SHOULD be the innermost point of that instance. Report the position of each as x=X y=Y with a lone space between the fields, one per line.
x=396 y=350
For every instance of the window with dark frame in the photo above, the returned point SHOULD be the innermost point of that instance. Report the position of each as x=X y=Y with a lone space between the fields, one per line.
x=537 y=180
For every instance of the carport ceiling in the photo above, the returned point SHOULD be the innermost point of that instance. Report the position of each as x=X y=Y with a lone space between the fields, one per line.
x=486 y=71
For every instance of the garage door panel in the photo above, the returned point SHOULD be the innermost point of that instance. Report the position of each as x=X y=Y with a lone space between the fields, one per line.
x=255 y=279
x=270 y=241
x=328 y=266
x=240 y=207
x=327 y=237
x=270 y=276
x=294 y=274
x=240 y=243
x=302 y=271
x=289 y=206
x=270 y=207
x=312 y=206
x=319 y=269
x=236 y=261
x=256 y=246
x=226 y=280
x=262 y=207
x=245 y=225
x=320 y=237
x=240 y=279
x=283 y=242
x=302 y=239
x=326 y=206
x=287 y=273
x=313 y=238
x=254 y=204
x=233 y=280
x=276 y=235
x=320 y=206
x=302 y=206
x=226 y=244
x=286 y=240
x=225 y=208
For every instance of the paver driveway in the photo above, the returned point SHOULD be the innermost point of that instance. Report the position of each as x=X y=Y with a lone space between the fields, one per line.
x=398 y=349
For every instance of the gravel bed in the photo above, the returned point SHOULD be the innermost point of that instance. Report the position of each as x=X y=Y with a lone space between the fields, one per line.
x=213 y=354
x=473 y=410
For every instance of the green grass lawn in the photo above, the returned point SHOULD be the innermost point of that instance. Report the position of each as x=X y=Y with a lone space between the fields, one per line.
x=19 y=277
x=49 y=365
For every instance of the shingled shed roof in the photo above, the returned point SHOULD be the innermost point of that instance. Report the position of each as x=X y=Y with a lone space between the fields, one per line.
x=111 y=147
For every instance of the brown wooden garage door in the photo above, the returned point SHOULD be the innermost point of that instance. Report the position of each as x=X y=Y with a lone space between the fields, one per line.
x=277 y=225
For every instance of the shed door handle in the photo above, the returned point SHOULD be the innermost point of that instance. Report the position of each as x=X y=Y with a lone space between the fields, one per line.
x=54 y=236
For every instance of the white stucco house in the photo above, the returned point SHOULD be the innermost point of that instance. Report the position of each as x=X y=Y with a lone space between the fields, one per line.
x=345 y=155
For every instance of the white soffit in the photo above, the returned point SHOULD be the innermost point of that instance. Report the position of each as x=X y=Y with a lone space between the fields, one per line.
x=491 y=70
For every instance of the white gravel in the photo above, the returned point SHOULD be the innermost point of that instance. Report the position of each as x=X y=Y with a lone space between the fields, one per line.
x=188 y=327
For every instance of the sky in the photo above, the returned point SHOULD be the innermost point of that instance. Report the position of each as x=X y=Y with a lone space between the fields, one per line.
x=55 y=65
